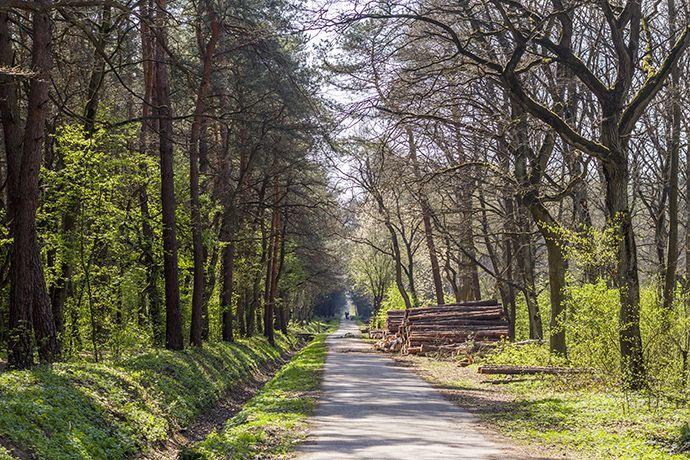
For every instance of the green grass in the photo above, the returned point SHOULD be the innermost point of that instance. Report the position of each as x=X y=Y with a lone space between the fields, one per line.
x=595 y=423
x=275 y=420
x=98 y=411
x=315 y=326
x=577 y=419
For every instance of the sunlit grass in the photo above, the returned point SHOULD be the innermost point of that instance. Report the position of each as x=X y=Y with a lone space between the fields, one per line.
x=275 y=420
x=96 y=411
x=579 y=420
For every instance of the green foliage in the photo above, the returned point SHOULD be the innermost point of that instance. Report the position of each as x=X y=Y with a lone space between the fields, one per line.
x=113 y=411
x=592 y=250
x=592 y=328
x=533 y=354
x=392 y=300
x=274 y=420
x=89 y=219
x=592 y=335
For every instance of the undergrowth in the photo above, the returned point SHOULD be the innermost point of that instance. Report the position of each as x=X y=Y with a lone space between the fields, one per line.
x=98 y=411
x=275 y=420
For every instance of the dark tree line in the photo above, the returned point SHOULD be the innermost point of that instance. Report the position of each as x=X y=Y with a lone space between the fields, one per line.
x=161 y=181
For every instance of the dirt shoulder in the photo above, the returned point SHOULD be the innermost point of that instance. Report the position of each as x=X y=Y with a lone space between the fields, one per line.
x=561 y=416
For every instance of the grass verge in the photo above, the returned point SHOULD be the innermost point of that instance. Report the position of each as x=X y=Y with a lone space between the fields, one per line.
x=559 y=417
x=274 y=420
x=96 y=411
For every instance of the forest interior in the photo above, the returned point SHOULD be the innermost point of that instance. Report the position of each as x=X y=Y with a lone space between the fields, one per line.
x=202 y=199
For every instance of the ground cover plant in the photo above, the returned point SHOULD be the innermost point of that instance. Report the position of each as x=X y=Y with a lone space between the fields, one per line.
x=114 y=410
x=575 y=416
x=275 y=420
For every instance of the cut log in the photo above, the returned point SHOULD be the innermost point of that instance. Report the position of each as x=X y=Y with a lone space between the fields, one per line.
x=458 y=332
x=377 y=333
x=459 y=324
x=433 y=317
x=531 y=370
x=469 y=303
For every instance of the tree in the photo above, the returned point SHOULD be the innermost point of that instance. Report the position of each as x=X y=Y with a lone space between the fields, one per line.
x=196 y=332
x=163 y=111
x=29 y=301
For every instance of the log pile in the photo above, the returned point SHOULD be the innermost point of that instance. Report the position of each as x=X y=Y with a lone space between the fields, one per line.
x=449 y=328
x=377 y=333
x=394 y=320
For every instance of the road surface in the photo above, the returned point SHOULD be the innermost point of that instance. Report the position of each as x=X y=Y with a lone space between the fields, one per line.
x=372 y=408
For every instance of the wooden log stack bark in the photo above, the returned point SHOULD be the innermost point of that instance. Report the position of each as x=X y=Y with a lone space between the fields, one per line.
x=394 y=320
x=449 y=327
x=532 y=370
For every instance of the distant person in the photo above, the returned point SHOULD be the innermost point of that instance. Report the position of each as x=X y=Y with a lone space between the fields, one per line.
x=347 y=315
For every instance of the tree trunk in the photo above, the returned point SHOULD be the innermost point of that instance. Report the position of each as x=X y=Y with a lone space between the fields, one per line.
x=208 y=291
x=619 y=215
x=426 y=210
x=468 y=273
x=29 y=300
x=173 y=319
x=398 y=266
x=227 y=276
x=525 y=264
x=282 y=310
x=557 y=267
x=529 y=179
x=96 y=79
x=148 y=126
x=674 y=152
x=272 y=271
x=196 y=328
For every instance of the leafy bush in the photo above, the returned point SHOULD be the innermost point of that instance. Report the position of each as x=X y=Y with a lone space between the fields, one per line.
x=592 y=336
x=392 y=300
x=592 y=328
x=533 y=354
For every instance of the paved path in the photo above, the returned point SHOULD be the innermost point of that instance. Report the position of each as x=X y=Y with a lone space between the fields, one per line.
x=372 y=408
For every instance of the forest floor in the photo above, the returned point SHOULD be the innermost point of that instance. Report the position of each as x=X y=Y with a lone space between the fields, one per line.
x=373 y=408
x=558 y=418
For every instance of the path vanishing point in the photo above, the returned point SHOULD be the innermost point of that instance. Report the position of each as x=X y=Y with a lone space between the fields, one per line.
x=373 y=408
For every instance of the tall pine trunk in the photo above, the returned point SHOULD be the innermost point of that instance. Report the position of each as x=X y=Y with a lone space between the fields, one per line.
x=196 y=328
x=29 y=301
x=173 y=315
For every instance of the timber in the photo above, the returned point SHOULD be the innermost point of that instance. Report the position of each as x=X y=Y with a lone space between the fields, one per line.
x=531 y=370
x=448 y=329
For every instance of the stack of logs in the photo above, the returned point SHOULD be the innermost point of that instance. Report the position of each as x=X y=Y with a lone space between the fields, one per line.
x=394 y=321
x=450 y=328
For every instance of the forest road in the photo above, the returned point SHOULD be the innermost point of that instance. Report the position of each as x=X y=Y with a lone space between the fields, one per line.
x=372 y=408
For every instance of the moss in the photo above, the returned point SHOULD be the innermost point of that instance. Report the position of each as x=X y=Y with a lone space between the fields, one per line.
x=87 y=410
